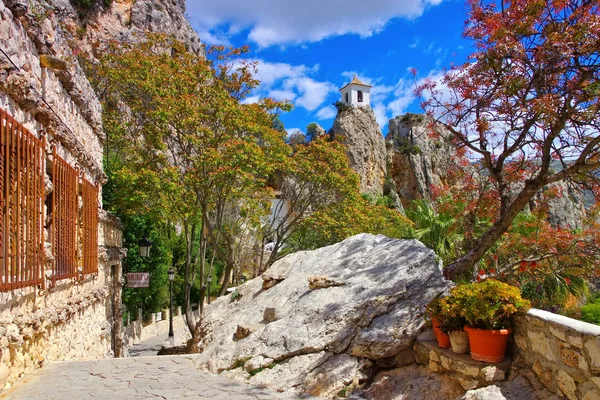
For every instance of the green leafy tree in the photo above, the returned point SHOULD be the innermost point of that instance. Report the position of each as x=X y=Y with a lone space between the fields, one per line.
x=189 y=147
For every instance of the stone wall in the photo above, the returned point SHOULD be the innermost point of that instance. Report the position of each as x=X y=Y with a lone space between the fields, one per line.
x=469 y=373
x=563 y=353
x=43 y=87
x=551 y=356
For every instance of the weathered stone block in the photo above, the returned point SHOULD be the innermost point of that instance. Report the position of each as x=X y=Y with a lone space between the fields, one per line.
x=521 y=341
x=322 y=282
x=243 y=331
x=592 y=346
x=492 y=373
x=469 y=370
x=569 y=357
x=591 y=394
x=270 y=315
x=576 y=341
x=435 y=367
x=468 y=384
x=558 y=333
x=271 y=280
x=541 y=344
x=446 y=362
x=566 y=384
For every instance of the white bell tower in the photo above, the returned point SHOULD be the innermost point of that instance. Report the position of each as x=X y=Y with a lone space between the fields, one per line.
x=356 y=93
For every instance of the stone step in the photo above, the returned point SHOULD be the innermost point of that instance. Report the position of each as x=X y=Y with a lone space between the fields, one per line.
x=469 y=373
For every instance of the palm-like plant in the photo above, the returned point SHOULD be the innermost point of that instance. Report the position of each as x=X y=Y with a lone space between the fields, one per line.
x=436 y=230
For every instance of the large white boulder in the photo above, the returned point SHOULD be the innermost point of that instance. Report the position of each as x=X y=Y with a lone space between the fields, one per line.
x=366 y=306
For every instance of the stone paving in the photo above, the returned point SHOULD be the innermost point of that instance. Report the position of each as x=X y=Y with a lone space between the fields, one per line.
x=164 y=377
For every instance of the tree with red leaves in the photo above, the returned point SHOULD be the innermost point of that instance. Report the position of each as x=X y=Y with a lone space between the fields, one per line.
x=526 y=104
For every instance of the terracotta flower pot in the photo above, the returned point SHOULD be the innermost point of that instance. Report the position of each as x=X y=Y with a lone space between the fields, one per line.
x=488 y=345
x=459 y=341
x=442 y=338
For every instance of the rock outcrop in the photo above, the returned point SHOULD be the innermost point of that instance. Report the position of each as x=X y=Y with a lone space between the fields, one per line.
x=420 y=154
x=326 y=339
x=565 y=205
x=359 y=131
x=126 y=20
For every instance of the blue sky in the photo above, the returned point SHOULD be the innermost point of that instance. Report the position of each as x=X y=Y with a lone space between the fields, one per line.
x=307 y=50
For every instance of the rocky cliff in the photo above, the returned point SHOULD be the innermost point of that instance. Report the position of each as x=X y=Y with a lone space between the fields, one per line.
x=358 y=129
x=320 y=322
x=565 y=205
x=126 y=20
x=420 y=154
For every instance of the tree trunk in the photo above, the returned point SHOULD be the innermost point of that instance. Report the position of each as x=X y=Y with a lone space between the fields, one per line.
x=226 y=278
x=189 y=315
x=229 y=266
x=467 y=262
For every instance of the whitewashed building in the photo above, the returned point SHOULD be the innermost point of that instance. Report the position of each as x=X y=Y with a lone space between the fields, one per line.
x=356 y=93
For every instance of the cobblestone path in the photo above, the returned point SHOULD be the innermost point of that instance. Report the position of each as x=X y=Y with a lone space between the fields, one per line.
x=164 y=377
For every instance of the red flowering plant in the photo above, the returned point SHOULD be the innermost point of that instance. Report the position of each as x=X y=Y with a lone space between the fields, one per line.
x=548 y=263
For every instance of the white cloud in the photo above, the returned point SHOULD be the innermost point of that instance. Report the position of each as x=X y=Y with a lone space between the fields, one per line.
x=214 y=38
x=284 y=22
x=251 y=100
x=291 y=131
x=404 y=95
x=281 y=95
x=312 y=93
x=415 y=42
x=283 y=81
x=381 y=116
x=326 y=113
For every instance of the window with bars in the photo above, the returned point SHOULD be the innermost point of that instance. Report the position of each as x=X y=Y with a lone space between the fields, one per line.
x=89 y=227
x=22 y=163
x=73 y=232
x=64 y=218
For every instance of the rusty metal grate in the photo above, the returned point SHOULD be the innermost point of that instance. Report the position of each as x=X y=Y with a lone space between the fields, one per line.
x=89 y=227
x=65 y=201
x=22 y=165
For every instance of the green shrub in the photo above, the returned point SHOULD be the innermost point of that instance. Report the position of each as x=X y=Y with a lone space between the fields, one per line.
x=489 y=304
x=341 y=106
x=407 y=148
x=591 y=313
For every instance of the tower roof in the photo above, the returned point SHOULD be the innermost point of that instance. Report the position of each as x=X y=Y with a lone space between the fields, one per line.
x=355 y=81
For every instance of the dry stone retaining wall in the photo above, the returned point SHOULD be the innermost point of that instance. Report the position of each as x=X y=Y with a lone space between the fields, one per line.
x=564 y=353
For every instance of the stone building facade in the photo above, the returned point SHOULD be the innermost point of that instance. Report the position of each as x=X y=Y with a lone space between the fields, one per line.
x=60 y=253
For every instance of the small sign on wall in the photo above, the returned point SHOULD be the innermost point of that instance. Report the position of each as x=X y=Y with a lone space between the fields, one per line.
x=138 y=279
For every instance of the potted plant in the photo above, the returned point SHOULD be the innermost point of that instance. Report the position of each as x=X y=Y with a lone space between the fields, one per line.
x=488 y=308
x=434 y=311
x=453 y=324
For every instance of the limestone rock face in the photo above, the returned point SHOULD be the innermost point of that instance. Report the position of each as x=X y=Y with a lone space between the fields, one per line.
x=420 y=155
x=127 y=20
x=566 y=207
x=319 y=131
x=358 y=129
x=326 y=339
